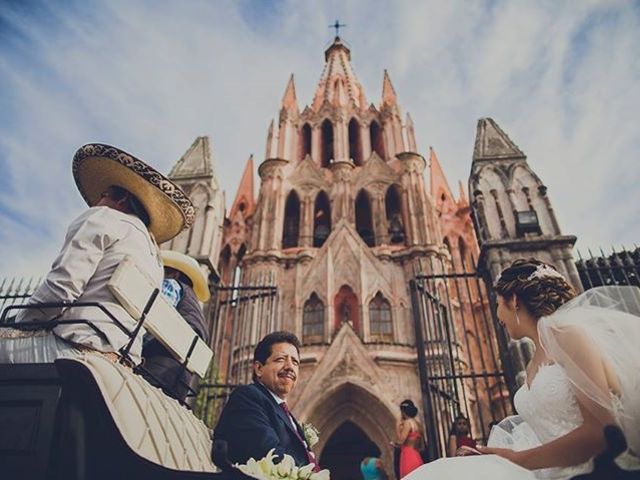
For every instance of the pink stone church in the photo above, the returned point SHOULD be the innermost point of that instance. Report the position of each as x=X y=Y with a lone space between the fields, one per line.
x=348 y=210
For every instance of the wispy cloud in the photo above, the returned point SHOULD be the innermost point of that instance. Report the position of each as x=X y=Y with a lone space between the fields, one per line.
x=560 y=77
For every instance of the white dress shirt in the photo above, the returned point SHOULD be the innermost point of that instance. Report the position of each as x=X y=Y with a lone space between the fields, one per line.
x=95 y=244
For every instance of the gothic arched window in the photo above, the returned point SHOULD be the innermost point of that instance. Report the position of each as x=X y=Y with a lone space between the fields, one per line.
x=447 y=245
x=393 y=209
x=380 y=325
x=291 y=230
x=355 y=143
x=305 y=141
x=364 y=221
x=313 y=320
x=321 y=219
x=377 y=142
x=224 y=264
x=326 y=154
x=236 y=281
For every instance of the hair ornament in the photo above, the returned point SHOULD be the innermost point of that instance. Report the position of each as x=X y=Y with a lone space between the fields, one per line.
x=545 y=271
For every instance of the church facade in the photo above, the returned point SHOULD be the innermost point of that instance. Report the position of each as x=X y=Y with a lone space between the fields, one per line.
x=344 y=219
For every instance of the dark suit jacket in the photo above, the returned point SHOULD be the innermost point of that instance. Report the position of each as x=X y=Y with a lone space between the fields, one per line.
x=252 y=423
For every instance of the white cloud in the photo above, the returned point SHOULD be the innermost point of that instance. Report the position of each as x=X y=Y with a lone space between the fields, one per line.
x=560 y=78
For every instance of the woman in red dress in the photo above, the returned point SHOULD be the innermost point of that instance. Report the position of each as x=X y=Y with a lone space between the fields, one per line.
x=460 y=436
x=410 y=438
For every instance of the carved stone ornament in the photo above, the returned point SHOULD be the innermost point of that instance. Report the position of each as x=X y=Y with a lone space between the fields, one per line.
x=342 y=171
x=271 y=168
x=345 y=369
x=412 y=162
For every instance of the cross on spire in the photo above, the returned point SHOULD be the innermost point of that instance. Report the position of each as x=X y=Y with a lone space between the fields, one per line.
x=337 y=25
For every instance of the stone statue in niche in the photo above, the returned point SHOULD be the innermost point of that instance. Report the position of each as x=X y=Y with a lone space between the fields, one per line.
x=345 y=311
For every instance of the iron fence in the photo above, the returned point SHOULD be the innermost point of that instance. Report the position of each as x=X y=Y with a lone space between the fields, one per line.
x=16 y=291
x=461 y=360
x=239 y=316
x=620 y=267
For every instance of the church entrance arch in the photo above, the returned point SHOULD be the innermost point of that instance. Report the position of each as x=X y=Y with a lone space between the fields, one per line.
x=351 y=416
x=345 y=449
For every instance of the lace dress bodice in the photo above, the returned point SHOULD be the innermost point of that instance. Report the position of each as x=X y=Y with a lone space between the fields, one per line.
x=549 y=405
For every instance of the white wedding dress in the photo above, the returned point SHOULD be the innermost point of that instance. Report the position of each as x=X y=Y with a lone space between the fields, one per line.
x=548 y=407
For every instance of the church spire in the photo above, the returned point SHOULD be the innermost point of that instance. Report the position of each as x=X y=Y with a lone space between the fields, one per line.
x=244 y=201
x=271 y=148
x=439 y=184
x=289 y=100
x=462 y=200
x=389 y=97
x=195 y=162
x=410 y=142
x=493 y=144
x=338 y=83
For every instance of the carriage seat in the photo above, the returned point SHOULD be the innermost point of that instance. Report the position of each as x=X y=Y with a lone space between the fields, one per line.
x=154 y=426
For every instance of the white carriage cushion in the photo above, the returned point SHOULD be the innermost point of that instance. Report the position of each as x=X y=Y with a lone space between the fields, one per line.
x=153 y=425
x=133 y=288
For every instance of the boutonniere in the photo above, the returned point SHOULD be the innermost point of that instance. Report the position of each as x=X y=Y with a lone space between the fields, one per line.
x=311 y=434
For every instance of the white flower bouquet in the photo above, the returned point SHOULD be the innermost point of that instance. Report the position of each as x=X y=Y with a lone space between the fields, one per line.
x=265 y=469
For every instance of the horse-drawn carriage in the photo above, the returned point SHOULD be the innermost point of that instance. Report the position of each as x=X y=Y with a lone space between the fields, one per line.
x=90 y=417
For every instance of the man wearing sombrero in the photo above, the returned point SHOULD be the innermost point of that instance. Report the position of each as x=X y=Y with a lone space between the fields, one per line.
x=185 y=286
x=132 y=209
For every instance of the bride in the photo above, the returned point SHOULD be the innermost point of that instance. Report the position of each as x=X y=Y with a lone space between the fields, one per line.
x=583 y=376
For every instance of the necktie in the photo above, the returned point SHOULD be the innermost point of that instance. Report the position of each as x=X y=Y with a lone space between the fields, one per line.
x=310 y=456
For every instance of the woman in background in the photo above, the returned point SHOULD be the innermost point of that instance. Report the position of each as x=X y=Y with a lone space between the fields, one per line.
x=410 y=435
x=460 y=435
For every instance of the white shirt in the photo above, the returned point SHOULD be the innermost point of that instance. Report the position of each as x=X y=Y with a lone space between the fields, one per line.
x=95 y=244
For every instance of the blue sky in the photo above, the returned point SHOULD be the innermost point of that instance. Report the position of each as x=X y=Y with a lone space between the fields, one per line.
x=561 y=78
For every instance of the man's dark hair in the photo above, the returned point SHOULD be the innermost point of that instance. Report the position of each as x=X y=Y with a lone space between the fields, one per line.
x=134 y=205
x=263 y=349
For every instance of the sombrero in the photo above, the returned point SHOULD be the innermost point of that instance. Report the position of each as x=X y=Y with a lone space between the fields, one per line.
x=188 y=266
x=96 y=167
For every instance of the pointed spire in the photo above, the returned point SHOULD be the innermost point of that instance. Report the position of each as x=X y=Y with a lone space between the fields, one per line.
x=493 y=144
x=438 y=179
x=289 y=100
x=409 y=120
x=244 y=201
x=196 y=161
x=338 y=67
x=388 y=92
x=411 y=134
x=462 y=199
x=269 y=151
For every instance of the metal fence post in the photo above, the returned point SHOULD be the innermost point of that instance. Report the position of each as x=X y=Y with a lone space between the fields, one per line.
x=430 y=425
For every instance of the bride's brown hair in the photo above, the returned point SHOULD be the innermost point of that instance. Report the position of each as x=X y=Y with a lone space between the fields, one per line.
x=541 y=295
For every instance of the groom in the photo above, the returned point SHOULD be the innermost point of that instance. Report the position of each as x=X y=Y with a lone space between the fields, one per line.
x=257 y=418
